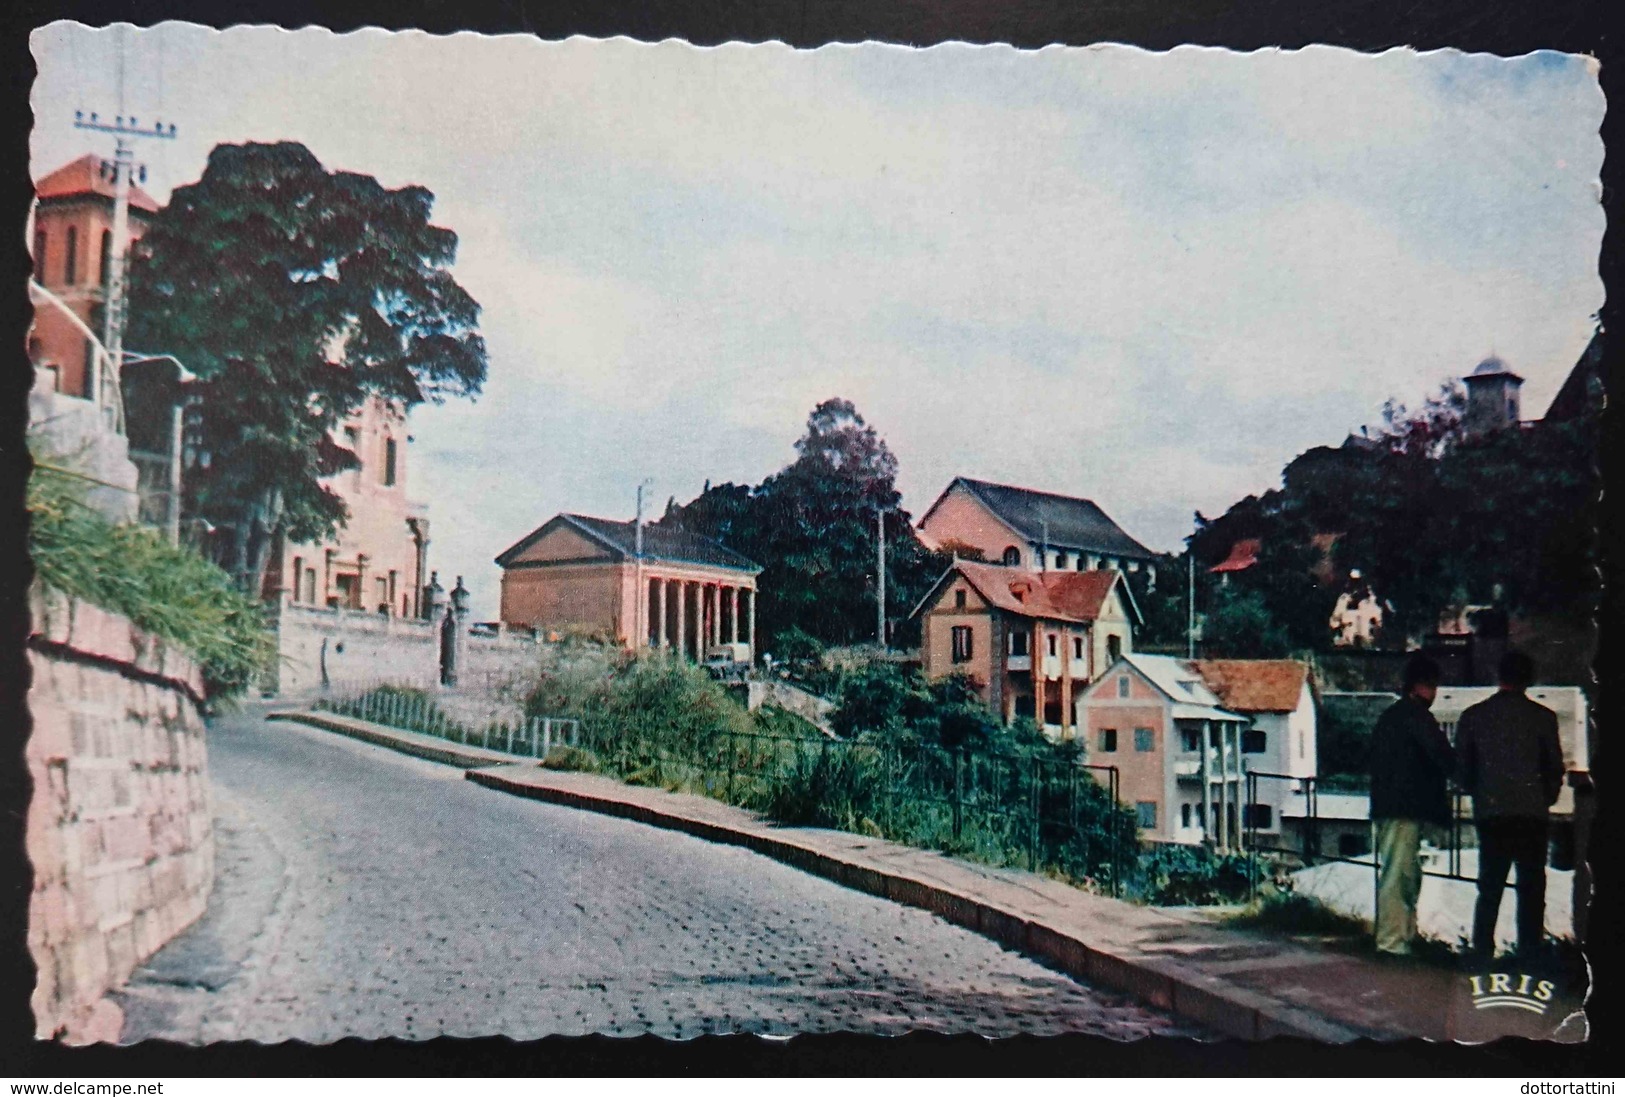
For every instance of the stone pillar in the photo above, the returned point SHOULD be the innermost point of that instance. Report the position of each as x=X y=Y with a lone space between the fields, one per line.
x=1037 y=661
x=1208 y=829
x=1068 y=728
x=750 y=637
x=455 y=637
x=660 y=614
x=682 y=614
x=360 y=582
x=1224 y=788
x=739 y=618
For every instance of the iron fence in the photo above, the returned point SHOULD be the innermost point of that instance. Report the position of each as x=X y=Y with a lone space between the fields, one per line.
x=411 y=709
x=1448 y=841
x=1042 y=813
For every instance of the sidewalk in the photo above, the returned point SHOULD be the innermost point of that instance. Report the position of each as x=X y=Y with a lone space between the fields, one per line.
x=1242 y=984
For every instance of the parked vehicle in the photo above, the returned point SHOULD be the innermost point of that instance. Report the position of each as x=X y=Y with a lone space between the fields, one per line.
x=728 y=662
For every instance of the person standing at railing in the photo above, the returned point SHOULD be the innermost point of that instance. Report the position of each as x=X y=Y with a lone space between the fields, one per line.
x=1410 y=771
x=1510 y=760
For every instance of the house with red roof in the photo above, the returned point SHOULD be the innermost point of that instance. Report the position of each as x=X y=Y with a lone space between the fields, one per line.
x=1184 y=736
x=1030 y=641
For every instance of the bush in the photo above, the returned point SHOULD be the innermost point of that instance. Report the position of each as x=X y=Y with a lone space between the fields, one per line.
x=572 y=759
x=1287 y=911
x=166 y=590
x=1192 y=876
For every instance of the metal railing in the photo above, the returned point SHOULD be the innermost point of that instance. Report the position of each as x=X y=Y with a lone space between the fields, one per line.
x=1449 y=840
x=416 y=710
x=1044 y=814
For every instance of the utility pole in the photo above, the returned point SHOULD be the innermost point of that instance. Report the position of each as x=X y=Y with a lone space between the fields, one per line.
x=880 y=577
x=639 y=614
x=122 y=168
x=1190 y=606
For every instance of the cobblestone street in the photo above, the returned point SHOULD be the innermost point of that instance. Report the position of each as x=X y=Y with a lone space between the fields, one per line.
x=363 y=893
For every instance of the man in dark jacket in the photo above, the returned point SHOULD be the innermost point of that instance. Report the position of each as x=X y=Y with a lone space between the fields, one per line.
x=1410 y=765
x=1509 y=759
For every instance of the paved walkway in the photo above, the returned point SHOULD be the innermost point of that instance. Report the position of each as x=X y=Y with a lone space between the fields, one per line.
x=1244 y=984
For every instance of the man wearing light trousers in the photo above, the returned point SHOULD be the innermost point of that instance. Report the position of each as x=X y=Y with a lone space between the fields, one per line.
x=1411 y=762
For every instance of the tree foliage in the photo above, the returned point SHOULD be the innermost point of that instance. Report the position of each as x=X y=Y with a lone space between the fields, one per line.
x=295 y=294
x=812 y=526
x=1430 y=516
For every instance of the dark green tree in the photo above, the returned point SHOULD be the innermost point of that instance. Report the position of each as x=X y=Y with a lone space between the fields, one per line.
x=296 y=294
x=813 y=528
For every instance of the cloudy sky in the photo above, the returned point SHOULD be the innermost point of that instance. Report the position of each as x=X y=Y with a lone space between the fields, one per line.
x=1149 y=279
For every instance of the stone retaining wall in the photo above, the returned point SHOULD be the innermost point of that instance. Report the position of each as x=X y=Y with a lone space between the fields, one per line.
x=120 y=825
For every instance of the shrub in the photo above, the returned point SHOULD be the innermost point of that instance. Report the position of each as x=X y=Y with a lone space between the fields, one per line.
x=1192 y=876
x=572 y=759
x=166 y=590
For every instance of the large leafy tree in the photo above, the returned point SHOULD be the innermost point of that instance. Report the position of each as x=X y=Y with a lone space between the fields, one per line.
x=813 y=528
x=295 y=294
x=1432 y=518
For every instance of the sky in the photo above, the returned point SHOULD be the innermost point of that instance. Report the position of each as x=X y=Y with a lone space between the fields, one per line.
x=1149 y=279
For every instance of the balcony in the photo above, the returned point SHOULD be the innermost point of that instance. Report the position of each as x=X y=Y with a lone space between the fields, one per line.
x=1018 y=662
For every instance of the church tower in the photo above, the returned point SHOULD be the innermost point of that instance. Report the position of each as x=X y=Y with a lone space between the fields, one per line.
x=1492 y=397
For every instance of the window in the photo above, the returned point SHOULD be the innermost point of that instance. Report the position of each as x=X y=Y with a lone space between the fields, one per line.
x=963 y=645
x=1114 y=648
x=310 y=585
x=1185 y=816
x=1122 y=685
x=106 y=269
x=1193 y=740
x=352 y=442
x=1051 y=639
x=1078 y=563
x=1077 y=647
x=298 y=575
x=959 y=599
x=1012 y=556
x=39 y=255
x=1253 y=741
x=1060 y=559
x=391 y=452
x=1145 y=740
x=1259 y=816
x=1025 y=706
x=70 y=262
x=1300 y=742
x=1018 y=643
x=88 y=382
x=1108 y=740
x=1201 y=816
x=1353 y=845
x=1146 y=814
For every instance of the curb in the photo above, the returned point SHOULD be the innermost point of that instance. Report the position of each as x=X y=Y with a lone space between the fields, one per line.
x=405 y=742
x=1164 y=984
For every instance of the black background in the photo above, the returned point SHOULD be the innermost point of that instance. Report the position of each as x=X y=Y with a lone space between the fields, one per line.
x=1504 y=27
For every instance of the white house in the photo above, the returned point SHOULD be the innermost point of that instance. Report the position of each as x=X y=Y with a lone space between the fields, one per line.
x=1184 y=735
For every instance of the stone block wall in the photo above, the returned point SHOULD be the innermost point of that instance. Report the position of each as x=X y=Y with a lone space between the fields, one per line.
x=355 y=647
x=120 y=826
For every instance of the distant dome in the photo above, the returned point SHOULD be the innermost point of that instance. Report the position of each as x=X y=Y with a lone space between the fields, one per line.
x=1493 y=366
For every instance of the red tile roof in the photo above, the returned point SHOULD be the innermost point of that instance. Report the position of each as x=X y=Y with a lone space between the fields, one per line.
x=1255 y=685
x=83 y=176
x=1053 y=595
x=1243 y=555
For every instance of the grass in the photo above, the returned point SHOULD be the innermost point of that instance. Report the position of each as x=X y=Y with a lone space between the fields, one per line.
x=166 y=590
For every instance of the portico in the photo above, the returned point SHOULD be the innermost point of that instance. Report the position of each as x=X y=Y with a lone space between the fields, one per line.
x=668 y=589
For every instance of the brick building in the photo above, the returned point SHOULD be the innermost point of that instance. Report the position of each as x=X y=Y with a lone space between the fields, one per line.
x=1030 y=641
x=377 y=562
x=682 y=591
x=73 y=248
x=1036 y=530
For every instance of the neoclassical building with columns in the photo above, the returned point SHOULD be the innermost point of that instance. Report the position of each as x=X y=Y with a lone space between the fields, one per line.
x=681 y=591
